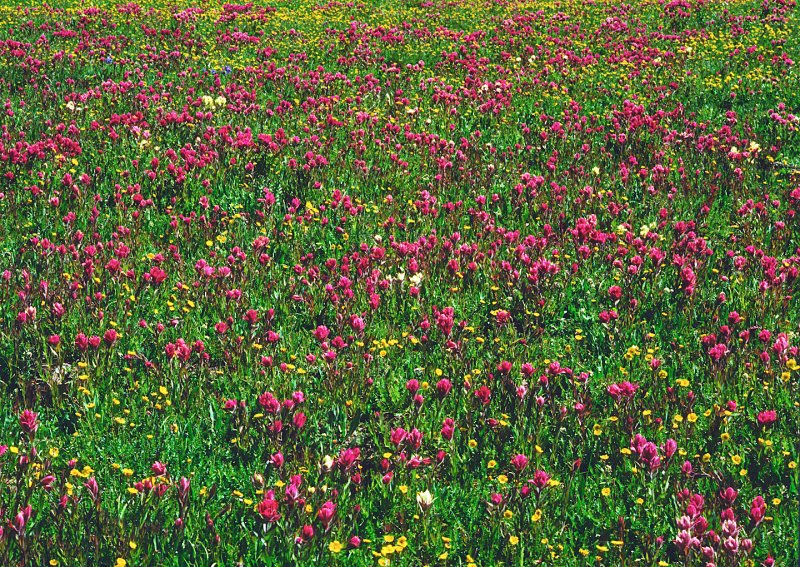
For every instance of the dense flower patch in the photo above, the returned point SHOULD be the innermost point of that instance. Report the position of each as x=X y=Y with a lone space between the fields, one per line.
x=400 y=282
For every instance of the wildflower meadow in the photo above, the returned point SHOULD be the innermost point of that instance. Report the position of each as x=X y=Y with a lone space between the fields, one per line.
x=400 y=282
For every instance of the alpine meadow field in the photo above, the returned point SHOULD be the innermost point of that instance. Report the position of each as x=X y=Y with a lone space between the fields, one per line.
x=400 y=282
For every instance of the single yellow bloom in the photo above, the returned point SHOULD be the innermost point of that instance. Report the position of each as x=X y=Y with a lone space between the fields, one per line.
x=335 y=546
